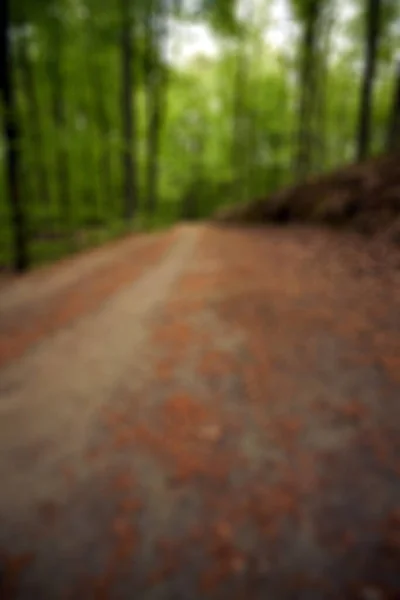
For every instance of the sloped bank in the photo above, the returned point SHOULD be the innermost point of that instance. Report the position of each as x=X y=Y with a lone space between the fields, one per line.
x=363 y=196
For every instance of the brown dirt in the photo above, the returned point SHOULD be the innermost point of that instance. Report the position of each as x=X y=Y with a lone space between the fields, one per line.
x=220 y=420
x=364 y=197
x=53 y=297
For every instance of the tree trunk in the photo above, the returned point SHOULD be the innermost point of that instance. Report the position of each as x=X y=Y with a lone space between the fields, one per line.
x=92 y=102
x=192 y=199
x=372 y=24
x=307 y=92
x=129 y=163
x=156 y=86
x=11 y=135
x=238 y=123
x=103 y=124
x=393 y=137
x=34 y=120
x=320 y=159
x=151 y=68
x=59 y=117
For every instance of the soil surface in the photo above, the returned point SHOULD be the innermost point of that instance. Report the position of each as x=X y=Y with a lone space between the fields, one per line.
x=362 y=197
x=203 y=413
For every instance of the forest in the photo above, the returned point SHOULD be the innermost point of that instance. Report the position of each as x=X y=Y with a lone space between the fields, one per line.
x=115 y=119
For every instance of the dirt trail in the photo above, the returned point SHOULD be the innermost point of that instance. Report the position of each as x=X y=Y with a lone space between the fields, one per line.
x=204 y=413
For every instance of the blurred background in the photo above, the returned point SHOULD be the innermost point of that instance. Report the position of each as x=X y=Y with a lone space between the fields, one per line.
x=119 y=115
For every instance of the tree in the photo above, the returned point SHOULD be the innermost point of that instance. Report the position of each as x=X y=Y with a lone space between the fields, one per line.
x=372 y=33
x=155 y=78
x=308 y=14
x=56 y=41
x=238 y=119
x=11 y=135
x=321 y=103
x=99 y=92
x=25 y=64
x=393 y=135
x=128 y=110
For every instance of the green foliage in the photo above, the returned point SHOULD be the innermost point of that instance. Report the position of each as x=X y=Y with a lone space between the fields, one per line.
x=228 y=126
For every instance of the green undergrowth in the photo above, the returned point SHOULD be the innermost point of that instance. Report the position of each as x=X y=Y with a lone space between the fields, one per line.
x=50 y=244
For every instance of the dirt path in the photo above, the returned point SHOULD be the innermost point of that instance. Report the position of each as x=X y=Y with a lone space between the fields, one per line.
x=203 y=413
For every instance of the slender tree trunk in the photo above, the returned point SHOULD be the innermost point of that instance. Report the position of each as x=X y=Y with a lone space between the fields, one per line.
x=192 y=198
x=238 y=122
x=85 y=203
x=103 y=125
x=320 y=150
x=372 y=24
x=59 y=117
x=307 y=92
x=151 y=66
x=156 y=87
x=35 y=121
x=393 y=136
x=251 y=152
x=11 y=135
x=91 y=103
x=128 y=157
x=153 y=144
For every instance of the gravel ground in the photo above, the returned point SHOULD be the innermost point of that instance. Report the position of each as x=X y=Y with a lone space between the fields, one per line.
x=208 y=412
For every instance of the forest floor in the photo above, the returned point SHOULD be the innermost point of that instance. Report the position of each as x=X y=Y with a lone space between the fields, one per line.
x=207 y=412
